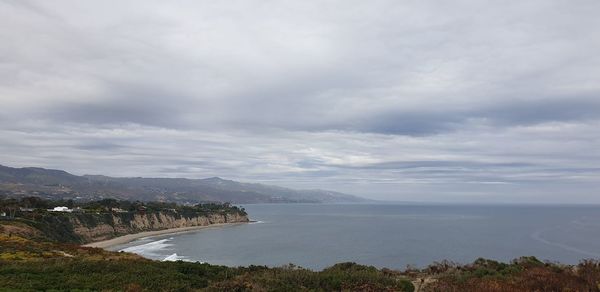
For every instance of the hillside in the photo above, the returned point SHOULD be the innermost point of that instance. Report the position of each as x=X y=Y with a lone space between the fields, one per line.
x=37 y=265
x=31 y=265
x=101 y=220
x=58 y=184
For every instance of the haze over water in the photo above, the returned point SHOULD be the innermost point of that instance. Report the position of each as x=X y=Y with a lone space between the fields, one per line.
x=394 y=236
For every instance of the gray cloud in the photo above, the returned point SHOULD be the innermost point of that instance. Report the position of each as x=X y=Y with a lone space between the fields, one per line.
x=503 y=114
x=440 y=101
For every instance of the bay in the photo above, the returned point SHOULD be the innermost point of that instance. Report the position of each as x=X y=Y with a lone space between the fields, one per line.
x=316 y=236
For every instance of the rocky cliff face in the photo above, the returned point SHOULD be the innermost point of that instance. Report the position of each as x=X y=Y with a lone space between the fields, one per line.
x=90 y=229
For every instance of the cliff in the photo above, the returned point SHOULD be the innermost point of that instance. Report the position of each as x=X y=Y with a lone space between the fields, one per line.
x=125 y=223
x=84 y=227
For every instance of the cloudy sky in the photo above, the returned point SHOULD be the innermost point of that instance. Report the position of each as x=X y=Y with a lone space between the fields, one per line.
x=479 y=101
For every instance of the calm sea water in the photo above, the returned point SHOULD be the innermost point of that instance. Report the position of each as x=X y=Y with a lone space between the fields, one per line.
x=394 y=236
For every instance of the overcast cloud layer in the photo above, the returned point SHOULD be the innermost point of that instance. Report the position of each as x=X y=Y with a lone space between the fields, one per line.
x=479 y=101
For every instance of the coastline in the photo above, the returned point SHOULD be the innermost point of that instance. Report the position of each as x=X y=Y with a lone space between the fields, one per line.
x=105 y=244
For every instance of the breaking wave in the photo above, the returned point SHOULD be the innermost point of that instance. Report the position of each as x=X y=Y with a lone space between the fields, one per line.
x=150 y=249
x=174 y=257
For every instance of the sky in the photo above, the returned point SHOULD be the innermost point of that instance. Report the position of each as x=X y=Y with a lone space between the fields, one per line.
x=445 y=101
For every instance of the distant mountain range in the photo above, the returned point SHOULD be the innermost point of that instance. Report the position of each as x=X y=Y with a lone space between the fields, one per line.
x=59 y=184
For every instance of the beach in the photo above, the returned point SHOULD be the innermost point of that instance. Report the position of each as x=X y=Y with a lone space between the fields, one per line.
x=131 y=237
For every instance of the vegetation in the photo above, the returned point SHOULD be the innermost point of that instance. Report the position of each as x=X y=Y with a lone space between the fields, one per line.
x=12 y=206
x=32 y=265
x=522 y=274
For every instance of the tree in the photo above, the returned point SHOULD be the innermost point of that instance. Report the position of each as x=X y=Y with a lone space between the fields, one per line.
x=34 y=202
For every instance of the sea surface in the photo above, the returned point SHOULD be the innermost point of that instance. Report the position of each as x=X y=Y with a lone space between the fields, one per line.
x=316 y=236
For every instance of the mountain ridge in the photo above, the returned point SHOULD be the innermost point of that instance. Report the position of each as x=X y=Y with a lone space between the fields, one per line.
x=59 y=184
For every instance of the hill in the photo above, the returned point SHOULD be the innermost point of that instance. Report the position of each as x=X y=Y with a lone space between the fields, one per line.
x=59 y=184
x=86 y=222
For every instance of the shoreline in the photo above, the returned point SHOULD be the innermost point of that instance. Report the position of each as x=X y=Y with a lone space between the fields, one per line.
x=105 y=244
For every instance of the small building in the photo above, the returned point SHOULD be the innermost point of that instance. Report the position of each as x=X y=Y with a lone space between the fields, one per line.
x=26 y=209
x=61 y=209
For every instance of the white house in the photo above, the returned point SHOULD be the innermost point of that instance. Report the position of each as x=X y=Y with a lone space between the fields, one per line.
x=61 y=209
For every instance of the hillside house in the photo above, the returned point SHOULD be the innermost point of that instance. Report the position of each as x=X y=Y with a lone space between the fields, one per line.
x=118 y=210
x=61 y=209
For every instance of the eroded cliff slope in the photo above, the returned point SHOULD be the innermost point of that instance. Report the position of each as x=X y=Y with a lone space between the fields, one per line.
x=127 y=223
x=89 y=227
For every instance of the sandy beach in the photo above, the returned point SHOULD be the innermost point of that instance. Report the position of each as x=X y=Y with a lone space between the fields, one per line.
x=131 y=237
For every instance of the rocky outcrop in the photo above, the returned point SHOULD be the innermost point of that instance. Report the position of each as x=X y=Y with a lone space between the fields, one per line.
x=97 y=227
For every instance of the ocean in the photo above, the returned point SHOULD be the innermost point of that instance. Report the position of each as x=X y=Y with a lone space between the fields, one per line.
x=316 y=236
